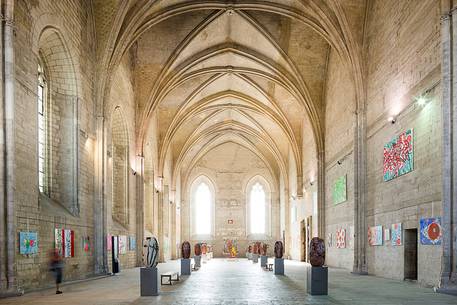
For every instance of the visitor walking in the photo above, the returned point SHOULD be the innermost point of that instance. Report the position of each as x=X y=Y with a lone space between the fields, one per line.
x=56 y=267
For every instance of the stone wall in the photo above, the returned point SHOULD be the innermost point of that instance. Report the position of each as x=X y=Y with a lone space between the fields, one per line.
x=230 y=167
x=403 y=63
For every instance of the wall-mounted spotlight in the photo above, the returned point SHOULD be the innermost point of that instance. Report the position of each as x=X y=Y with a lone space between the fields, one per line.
x=392 y=120
x=133 y=172
x=339 y=162
x=311 y=183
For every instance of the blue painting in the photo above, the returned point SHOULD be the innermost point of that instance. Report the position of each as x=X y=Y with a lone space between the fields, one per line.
x=28 y=243
x=132 y=243
x=430 y=231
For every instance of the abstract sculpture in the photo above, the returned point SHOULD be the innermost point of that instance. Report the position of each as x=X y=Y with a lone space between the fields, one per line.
x=250 y=249
x=204 y=248
x=255 y=248
x=259 y=248
x=151 y=252
x=185 y=250
x=264 y=249
x=198 y=249
x=279 y=249
x=317 y=252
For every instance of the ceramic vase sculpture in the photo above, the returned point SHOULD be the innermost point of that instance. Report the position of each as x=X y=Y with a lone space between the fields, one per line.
x=317 y=252
x=250 y=249
x=151 y=252
x=198 y=249
x=279 y=249
x=185 y=250
x=259 y=248
x=254 y=248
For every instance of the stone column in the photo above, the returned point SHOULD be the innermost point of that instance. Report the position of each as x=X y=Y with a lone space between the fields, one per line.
x=140 y=210
x=100 y=215
x=448 y=281
x=321 y=194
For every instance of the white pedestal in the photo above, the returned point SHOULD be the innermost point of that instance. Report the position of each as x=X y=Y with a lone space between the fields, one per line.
x=149 y=281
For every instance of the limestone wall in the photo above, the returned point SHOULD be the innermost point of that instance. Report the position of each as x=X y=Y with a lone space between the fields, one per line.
x=230 y=167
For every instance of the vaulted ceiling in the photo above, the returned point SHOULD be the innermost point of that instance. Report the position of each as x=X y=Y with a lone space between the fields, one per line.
x=247 y=72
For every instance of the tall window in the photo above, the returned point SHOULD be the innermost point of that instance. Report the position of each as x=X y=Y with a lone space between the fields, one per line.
x=257 y=207
x=203 y=209
x=41 y=103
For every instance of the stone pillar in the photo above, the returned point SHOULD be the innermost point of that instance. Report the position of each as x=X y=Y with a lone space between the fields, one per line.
x=100 y=214
x=140 y=210
x=321 y=194
x=448 y=281
x=360 y=169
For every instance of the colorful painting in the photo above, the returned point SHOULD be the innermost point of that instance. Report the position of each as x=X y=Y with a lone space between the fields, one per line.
x=86 y=244
x=386 y=234
x=28 y=243
x=430 y=231
x=58 y=245
x=396 y=235
x=122 y=244
x=375 y=236
x=329 y=240
x=399 y=156
x=64 y=242
x=109 y=242
x=339 y=190
x=341 y=238
x=132 y=243
x=230 y=247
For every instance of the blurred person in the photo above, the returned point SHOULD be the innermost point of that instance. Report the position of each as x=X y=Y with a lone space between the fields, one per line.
x=56 y=265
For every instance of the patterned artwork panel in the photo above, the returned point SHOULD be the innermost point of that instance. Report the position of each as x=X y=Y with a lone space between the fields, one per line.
x=341 y=238
x=399 y=156
x=396 y=235
x=430 y=231
x=339 y=190
x=28 y=243
x=375 y=236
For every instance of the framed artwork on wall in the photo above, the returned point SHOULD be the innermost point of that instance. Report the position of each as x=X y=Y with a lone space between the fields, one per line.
x=341 y=238
x=396 y=232
x=399 y=156
x=339 y=190
x=375 y=236
x=28 y=243
x=430 y=231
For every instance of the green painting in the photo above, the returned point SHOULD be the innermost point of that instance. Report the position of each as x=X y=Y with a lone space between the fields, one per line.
x=339 y=190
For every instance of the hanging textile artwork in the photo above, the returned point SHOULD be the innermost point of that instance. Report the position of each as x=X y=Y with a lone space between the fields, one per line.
x=64 y=242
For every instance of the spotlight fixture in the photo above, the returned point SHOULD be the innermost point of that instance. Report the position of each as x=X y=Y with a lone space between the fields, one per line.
x=133 y=172
x=311 y=183
x=392 y=119
x=339 y=162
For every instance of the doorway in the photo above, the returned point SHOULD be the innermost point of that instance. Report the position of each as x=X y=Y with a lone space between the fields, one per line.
x=410 y=255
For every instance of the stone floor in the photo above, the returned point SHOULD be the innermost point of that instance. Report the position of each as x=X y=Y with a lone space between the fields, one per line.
x=224 y=282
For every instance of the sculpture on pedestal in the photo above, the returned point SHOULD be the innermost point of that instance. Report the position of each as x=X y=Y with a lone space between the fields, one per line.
x=264 y=249
x=198 y=249
x=317 y=252
x=250 y=249
x=255 y=248
x=258 y=244
x=204 y=248
x=185 y=250
x=279 y=249
x=151 y=252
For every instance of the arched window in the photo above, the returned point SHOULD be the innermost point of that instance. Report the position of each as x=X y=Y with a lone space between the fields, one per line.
x=257 y=206
x=202 y=205
x=203 y=209
x=42 y=131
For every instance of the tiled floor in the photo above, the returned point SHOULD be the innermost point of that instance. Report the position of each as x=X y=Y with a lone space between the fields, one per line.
x=222 y=281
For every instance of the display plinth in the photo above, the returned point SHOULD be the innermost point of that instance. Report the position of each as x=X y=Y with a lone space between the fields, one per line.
x=149 y=282
x=317 y=280
x=263 y=261
x=185 y=266
x=198 y=261
x=255 y=258
x=279 y=266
